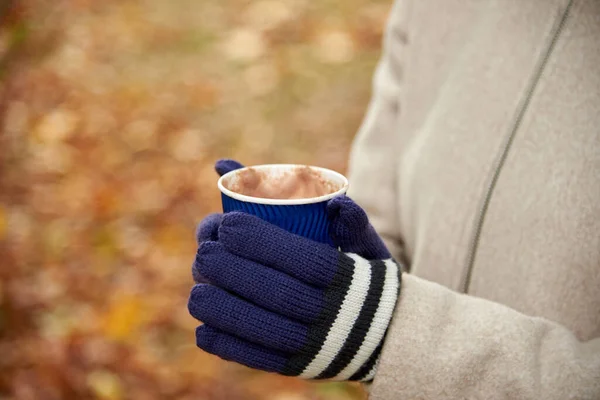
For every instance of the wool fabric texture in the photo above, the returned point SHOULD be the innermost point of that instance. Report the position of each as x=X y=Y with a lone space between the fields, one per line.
x=279 y=302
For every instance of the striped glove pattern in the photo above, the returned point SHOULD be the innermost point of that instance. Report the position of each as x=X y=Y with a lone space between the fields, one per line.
x=278 y=302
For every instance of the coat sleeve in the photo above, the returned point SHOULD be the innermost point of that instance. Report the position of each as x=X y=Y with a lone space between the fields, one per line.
x=442 y=344
x=373 y=162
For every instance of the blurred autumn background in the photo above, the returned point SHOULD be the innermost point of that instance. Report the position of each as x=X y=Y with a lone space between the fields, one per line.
x=112 y=114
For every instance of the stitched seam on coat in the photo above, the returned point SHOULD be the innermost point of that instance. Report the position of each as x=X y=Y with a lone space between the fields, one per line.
x=521 y=111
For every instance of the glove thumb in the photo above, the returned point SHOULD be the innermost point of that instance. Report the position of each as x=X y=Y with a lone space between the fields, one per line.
x=226 y=165
x=351 y=231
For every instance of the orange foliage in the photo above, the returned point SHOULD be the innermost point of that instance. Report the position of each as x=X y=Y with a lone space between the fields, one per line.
x=112 y=114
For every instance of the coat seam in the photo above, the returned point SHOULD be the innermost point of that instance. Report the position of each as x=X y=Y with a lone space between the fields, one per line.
x=532 y=85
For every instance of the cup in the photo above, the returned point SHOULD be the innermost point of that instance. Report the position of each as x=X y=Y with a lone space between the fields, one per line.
x=305 y=217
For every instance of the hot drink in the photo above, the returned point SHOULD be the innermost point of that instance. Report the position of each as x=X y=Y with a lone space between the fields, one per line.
x=298 y=183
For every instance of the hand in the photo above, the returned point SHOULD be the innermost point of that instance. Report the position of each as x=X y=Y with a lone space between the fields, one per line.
x=352 y=233
x=279 y=302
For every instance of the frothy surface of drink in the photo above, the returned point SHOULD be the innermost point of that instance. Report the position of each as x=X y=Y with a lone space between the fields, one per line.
x=297 y=183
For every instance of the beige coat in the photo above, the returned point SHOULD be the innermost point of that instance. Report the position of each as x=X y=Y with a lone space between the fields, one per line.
x=479 y=163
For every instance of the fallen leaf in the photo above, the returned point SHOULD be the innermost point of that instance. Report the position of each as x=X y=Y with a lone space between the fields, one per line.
x=123 y=318
x=105 y=385
x=335 y=47
x=56 y=126
x=244 y=44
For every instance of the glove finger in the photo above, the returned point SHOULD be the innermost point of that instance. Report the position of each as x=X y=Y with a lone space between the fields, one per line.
x=232 y=348
x=351 y=231
x=236 y=316
x=263 y=286
x=252 y=238
x=226 y=165
x=198 y=278
x=208 y=229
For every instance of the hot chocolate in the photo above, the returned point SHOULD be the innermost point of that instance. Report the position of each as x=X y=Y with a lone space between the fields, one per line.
x=298 y=183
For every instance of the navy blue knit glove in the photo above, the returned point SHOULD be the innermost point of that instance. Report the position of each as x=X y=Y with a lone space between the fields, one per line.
x=282 y=303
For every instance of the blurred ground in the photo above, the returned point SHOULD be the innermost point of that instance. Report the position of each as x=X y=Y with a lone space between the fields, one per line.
x=112 y=114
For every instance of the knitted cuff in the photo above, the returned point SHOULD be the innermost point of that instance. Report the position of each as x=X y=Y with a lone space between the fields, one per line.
x=346 y=341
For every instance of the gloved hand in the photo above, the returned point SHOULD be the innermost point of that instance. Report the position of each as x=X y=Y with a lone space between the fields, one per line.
x=282 y=303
